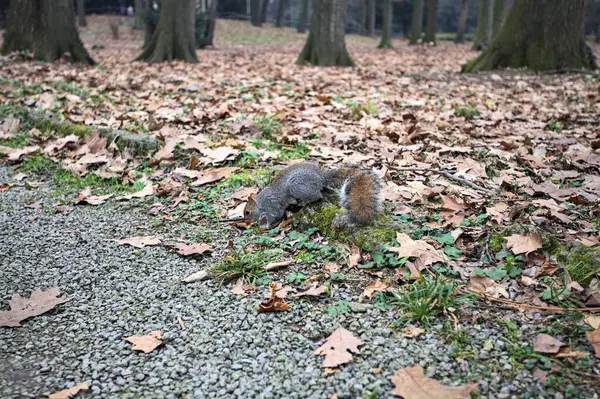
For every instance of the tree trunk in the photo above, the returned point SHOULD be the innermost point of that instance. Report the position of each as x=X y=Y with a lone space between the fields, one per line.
x=303 y=17
x=541 y=35
x=417 y=21
x=364 y=16
x=326 y=45
x=371 y=17
x=138 y=9
x=462 y=22
x=500 y=13
x=255 y=15
x=386 y=32
x=490 y=22
x=212 y=22
x=174 y=36
x=431 y=28
x=479 y=41
x=280 y=11
x=46 y=29
x=264 y=10
x=81 y=13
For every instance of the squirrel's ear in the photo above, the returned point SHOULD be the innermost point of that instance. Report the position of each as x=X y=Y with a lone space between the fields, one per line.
x=251 y=200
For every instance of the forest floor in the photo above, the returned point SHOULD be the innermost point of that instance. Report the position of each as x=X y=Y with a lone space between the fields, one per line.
x=490 y=284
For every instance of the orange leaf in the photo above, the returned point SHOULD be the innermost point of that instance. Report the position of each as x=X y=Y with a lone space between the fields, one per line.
x=146 y=343
x=337 y=348
x=274 y=303
x=375 y=286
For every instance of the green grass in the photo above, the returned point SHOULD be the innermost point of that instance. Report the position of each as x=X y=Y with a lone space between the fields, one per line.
x=361 y=109
x=466 y=112
x=553 y=126
x=268 y=126
x=249 y=266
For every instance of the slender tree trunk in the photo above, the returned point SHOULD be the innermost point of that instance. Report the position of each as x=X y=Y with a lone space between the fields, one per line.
x=81 y=13
x=490 y=22
x=264 y=10
x=431 y=29
x=212 y=22
x=138 y=7
x=364 y=15
x=479 y=41
x=46 y=29
x=386 y=32
x=326 y=45
x=500 y=14
x=281 y=4
x=303 y=17
x=255 y=15
x=371 y=17
x=462 y=21
x=541 y=35
x=174 y=37
x=417 y=22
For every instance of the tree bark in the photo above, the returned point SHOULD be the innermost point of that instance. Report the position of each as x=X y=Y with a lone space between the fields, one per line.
x=462 y=22
x=47 y=29
x=386 y=32
x=417 y=22
x=431 y=29
x=326 y=45
x=541 y=35
x=255 y=12
x=264 y=10
x=490 y=21
x=500 y=14
x=174 y=36
x=212 y=21
x=138 y=9
x=81 y=13
x=280 y=11
x=303 y=17
x=479 y=41
x=371 y=17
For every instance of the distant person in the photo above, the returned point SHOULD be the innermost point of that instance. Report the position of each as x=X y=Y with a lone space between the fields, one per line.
x=130 y=14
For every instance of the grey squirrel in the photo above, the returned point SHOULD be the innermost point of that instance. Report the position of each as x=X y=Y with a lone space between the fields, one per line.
x=358 y=191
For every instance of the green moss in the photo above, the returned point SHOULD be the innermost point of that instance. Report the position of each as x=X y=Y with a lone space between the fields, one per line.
x=497 y=240
x=466 y=112
x=247 y=178
x=581 y=262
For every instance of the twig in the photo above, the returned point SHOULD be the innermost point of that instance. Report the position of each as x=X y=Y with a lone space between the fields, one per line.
x=486 y=248
x=447 y=175
x=533 y=307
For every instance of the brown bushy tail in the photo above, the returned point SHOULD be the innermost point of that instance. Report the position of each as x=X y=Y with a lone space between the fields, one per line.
x=359 y=193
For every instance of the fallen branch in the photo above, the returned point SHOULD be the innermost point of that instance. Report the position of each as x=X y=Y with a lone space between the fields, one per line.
x=209 y=274
x=448 y=175
x=518 y=305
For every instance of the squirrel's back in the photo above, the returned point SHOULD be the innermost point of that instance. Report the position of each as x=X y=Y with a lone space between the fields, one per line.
x=359 y=192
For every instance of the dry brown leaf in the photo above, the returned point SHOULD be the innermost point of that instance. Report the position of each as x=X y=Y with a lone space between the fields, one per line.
x=412 y=332
x=544 y=343
x=242 y=289
x=314 y=290
x=146 y=191
x=482 y=284
x=354 y=256
x=338 y=348
x=191 y=249
x=86 y=197
x=565 y=353
x=139 y=242
x=181 y=323
x=419 y=249
x=541 y=375
x=22 y=308
x=376 y=286
x=15 y=154
x=520 y=244
x=146 y=343
x=219 y=154
x=594 y=338
x=332 y=267
x=274 y=303
x=593 y=321
x=213 y=175
x=411 y=383
x=70 y=392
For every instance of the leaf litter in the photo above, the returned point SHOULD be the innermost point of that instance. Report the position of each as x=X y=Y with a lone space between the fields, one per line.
x=38 y=303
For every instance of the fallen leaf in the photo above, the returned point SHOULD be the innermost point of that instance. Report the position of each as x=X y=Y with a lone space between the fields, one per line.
x=544 y=343
x=354 y=257
x=86 y=197
x=146 y=343
x=314 y=290
x=242 y=289
x=146 y=191
x=593 y=321
x=376 y=286
x=15 y=154
x=219 y=154
x=194 y=277
x=412 y=332
x=22 y=308
x=565 y=353
x=520 y=244
x=180 y=321
x=594 y=338
x=283 y=292
x=213 y=175
x=274 y=303
x=139 y=242
x=191 y=249
x=419 y=249
x=411 y=383
x=541 y=375
x=338 y=348
x=70 y=392
x=332 y=267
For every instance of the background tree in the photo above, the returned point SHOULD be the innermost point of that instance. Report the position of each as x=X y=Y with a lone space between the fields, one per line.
x=212 y=20
x=138 y=9
x=264 y=10
x=46 y=29
x=540 y=35
x=281 y=4
x=371 y=17
x=326 y=45
x=480 y=38
x=174 y=36
x=431 y=28
x=462 y=21
x=386 y=30
x=81 y=13
x=303 y=17
x=417 y=22
x=255 y=12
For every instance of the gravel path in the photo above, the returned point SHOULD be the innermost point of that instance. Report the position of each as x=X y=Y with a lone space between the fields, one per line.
x=227 y=349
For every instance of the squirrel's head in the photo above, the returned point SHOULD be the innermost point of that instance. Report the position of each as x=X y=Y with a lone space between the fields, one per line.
x=250 y=214
x=265 y=217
